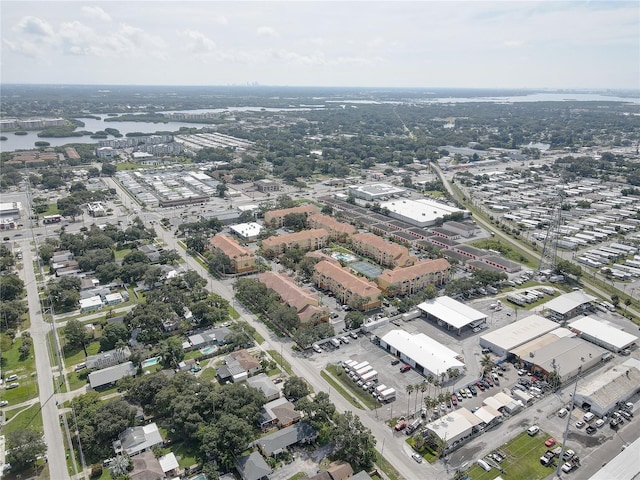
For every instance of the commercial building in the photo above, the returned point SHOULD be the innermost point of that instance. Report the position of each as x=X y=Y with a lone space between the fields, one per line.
x=617 y=384
x=306 y=303
x=10 y=209
x=337 y=230
x=242 y=259
x=348 y=288
x=247 y=232
x=509 y=337
x=306 y=240
x=567 y=306
x=420 y=213
x=274 y=218
x=265 y=185
x=446 y=311
x=382 y=251
x=624 y=466
x=423 y=353
x=409 y=280
x=96 y=209
x=602 y=333
x=454 y=427
x=376 y=191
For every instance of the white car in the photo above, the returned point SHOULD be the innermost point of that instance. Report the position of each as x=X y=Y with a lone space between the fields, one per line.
x=417 y=457
x=4 y=403
x=532 y=430
x=580 y=424
x=344 y=340
x=316 y=348
x=568 y=455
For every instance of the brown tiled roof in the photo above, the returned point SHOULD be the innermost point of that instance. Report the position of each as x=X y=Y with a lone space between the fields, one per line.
x=348 y=280
x=398 y=252
x=331 y=223
x=229 y=246
x=400 y=274
x=293 y=295
x=309 y=209
x=245 y=360
x=295 y=237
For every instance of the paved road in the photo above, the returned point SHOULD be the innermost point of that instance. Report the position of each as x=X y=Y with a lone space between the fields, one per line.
x=39 y=329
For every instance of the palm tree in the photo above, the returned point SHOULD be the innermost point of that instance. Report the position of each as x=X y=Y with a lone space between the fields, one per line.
x=423 y=388
x=430 y=380
x=429 y=402
x=487 y=364
x=454 y=374
x=409 y=390
x=416 y=389
x=443 y=377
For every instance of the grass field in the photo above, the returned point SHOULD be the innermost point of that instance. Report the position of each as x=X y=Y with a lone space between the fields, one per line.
x=120 y=254
x=208 y=374
x=22 y=418
x=12 y=364
x=523 y=460
x=73 y=355
x=508 y=251
x=280 y=361
x=338 y=387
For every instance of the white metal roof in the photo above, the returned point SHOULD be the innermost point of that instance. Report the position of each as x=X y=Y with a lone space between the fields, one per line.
x=247 y=230
x=90 y=302
x=624 y=466
x=419 y=210
x=487 y=413
x=454 y=424
x=567 y=302
x=520 y=332
x=603 y=331
x=424 y=350
x=451 y=311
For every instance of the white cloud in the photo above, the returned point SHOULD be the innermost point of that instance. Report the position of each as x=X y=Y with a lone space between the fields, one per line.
x=267 y=32
x=96 y=13
x=198 y=42
x=34 y=26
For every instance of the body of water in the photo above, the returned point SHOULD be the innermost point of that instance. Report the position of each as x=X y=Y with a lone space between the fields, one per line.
x=538 y=97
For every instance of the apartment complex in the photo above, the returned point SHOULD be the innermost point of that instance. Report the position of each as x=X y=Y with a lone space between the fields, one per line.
x=357 y=292
x=306 y=303
x=242 y=259
x=382 y=251
x=337 y=230
x=306 y=240
x=409 y=280
x=274 y=218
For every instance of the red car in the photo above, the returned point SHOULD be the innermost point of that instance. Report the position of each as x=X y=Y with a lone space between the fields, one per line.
x=454 y=399
x=400 y=425
x=489 y=381
x=550 y=442
x=480 y=386
x=405 y=368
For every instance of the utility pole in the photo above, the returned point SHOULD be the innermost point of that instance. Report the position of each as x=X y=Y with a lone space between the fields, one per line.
x=566 y=428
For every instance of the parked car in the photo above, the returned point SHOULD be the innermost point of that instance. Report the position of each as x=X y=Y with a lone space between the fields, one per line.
x=400 y=425
x=563 y=412
x=471 y=389
x=344 y=340
x=4 y=403
x=353 y=334
x=480 y=386
x=580 y=424
x=11 y=378
x=599 y=423
x=316 y=348
x=550 y=442
x=591 y=430
x=13 y=385
x=568 y=454
x=417 y=457
x=454 y=400
x=532 y=430
x=405 y=368
x=395 y=361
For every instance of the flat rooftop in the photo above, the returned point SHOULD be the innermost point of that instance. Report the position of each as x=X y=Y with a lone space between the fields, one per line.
x=520 y=332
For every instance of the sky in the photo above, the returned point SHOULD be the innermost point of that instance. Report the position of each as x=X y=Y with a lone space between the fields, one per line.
x=466 y=44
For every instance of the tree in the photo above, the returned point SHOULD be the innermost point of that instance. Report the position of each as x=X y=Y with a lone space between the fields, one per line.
x=11 y=287
x=112 y=334
x=225 y=439
x=24 y=446
x=353 y=442
x=108 y=169
x=627 y=303
x=295 y=221
x=76 y=334
x=615 y=300
x=353 y=320
x=11 y=313
x=566 y=267
x=295 y=388
x=195 y=243
x=221 y=189
x=487 y=364
x=172 y=352
x=409 y=389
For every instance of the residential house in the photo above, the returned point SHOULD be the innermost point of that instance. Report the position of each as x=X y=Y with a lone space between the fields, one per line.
x=409 y=280
x=253 y=467
x=337 y=230
x=305 y=302
x=108 y=359
x=238 y=367
x=242 y=259
x=138 y=439
x=357 y=292
x=382 y=251
x=279 y=441
x=207 y=338
x=279 y=412
x=169 y=465
x=110 y=375
x=113 y=299
x=306 y=240
x=90 y=304
x=263 y=383
x=146 y=467
x=275 y=218
x=151 y=251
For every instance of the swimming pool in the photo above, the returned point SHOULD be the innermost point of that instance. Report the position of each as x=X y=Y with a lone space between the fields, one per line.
x=150 y=362
x=200 y=476
x=345 y=257
x=209 y=350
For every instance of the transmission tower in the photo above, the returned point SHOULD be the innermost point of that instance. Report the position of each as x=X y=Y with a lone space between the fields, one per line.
x=549 y=257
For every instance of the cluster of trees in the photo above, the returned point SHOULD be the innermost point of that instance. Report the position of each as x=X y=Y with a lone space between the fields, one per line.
x=70 y=206
x=263 y=300
x=11 y=307
x=23 y=447
x=479 y=278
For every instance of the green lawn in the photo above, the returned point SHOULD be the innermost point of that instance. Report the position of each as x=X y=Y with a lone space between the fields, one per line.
x=426 y=453
x=233 y=313
x=77 y=379
x=298 y=476
x=509 y=251
x=74 y=355
x=22 y=418
x=128 y=166
x=208 y=374
x=52 y=209
x=12 y=364
x=338 y=387
x=523 y=460
x=120 y=254
x=184 y=452
x=366 y=398
x=386 y=467
x=434 y=193
x=280 y=361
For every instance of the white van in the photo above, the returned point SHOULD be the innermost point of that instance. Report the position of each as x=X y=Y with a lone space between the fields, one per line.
x=588 y=417
x=533 y=430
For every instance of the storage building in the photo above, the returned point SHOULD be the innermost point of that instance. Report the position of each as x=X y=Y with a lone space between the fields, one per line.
x=455 y=315
x=511 y=336
x=602 y=333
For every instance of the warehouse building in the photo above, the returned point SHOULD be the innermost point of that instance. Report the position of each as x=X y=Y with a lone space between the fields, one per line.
x=376 y=191
x=567 y=306
x=423 y=353
x=446 y=311
x=420 y=213
x=511 y=336
x=617 y=384
x=454 y=427
x=602 y=333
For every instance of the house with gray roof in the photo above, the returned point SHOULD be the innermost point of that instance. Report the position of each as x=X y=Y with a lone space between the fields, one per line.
x=253 y=467
x=108 y=358
x=138 y=439
x=279 y=441
x=212 y=336
x=263 y=383
x=109 y=375
x=280 y=412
